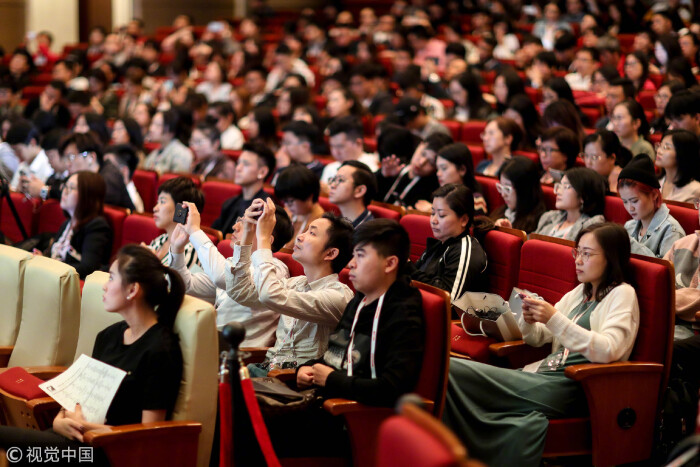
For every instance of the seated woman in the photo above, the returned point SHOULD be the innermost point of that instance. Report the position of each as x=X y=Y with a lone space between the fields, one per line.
x=603 y=153
x=684 y=255
x=148 y=296
x=637 y=70
x=127 y=131
x=661 y=98
x=171 y=193
x=562 y=113
x=454 y=166
x=652 y=229
x=87 y=122
x=506 y=85
x=205 y=143
x=630 y=125
x=677 y=156
x=172 y=156
x=558 y=149
x=84 y=241
x=453 y=260
x=520 y=188
x=501 y=137
x=580 y=203
x=215 y=87
x=298 y=188
x=465 y=91
x=502 y=415
x=521 y=110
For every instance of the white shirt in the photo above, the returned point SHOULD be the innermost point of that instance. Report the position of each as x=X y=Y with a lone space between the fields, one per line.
x=260 y=322
x=329 y=171
x=578 y=82
x=218 y=94
x=135 y=196
x=232 y=138
x=39 y=167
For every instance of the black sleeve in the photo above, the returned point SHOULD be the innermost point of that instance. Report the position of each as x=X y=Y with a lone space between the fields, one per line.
x=383 y=185
x=218 y=224
x=398 y=371
x=97 y=239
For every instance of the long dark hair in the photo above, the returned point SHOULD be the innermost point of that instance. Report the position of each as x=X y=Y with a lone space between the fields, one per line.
x=590 y=186
x=524 y=174
x=644 y=61
x=513 y=82
x=91 y=198
x=163 y=289
x=523 y=105
x=267 y=125
x=687 y=148
x=471 y=83
x=636 y=111
x=615 y=243
x=460 y=155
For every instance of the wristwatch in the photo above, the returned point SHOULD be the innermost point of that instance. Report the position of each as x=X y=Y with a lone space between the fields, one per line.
x=44 y=193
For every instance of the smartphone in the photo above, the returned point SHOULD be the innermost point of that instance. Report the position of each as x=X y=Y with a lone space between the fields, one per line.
x=215 y=27
x=181 y=212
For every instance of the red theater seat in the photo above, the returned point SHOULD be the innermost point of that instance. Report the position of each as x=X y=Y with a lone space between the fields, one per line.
x=471 y=131
x=146 y=182
x=494 y=200
x=26 y=210
x=295 y=269
x=51 y=216
x=685 y=214
x=418 y=228
x=139 y=228
x=216 y=193
x=116 y=217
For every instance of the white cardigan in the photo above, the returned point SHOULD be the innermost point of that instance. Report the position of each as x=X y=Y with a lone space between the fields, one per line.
x=614 y=324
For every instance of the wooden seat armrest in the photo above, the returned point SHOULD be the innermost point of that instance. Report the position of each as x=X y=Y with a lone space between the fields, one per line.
x=518 y=353
x=44 y=403
x=254 y=354
x=591 y=370
x=46 y=372
x=345 y=406
x=141 y=432
x=5 y=352
x=697 y=316
x=285 y=375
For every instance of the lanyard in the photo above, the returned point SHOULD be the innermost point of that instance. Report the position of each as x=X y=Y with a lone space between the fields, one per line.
x=374 y=335
x=408 y=187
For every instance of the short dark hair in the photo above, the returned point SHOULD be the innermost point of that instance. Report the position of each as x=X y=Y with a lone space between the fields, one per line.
x=257 y=69
x=397 y=140
x=615 y=243
x=302 y=130
x=628 y=89
x=263 y=152
x=610 y=144
x=79 y=97
x=224 y=109
x=22 y=132
x=548 y=58
x=386 y=236
x=437 y=141
x=59 y=86
x=362 y=175
x=210 y=131
x=350 y=125
x=567 y=141
x=283 y=231
x=84 y=142
x=52 y=139
x=297 y=182
x=683 y=103
x=590 y=186
x=595 y=55
x=340 y=237
x=455 y=48
x=126 y=156
x=183 y=189
x=565 y=41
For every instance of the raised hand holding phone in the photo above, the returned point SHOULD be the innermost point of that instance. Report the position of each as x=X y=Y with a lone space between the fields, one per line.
x=266 y=224
x=250 y=220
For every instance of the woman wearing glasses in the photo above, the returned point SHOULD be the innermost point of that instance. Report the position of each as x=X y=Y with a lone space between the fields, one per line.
x=603 y=153
x=580 y=203
x=677 y=156
x=652 y=229
x=84 y=241
x=501 y=137
x=558 y=149
x=520 y=188
x=502 y=415
x=205 y=143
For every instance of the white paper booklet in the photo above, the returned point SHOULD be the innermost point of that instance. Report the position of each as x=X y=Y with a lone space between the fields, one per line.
x=89 y=382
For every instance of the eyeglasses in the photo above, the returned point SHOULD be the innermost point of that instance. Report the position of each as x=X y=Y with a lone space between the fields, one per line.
x=547 y=150
x=504 y=190
x=197 y=142
x=68 y=188
x=590 y=157
x=585 y=255
x=660 y=97
x=337 y=180
x=72 y=157
x=696 y=203
x=561 y=186
x=664 y=146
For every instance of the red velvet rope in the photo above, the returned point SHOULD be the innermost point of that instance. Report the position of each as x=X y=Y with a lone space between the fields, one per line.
x=225 y=426
x=258 y=424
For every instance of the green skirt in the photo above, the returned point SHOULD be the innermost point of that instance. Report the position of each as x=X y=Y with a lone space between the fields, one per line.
x=502 y=415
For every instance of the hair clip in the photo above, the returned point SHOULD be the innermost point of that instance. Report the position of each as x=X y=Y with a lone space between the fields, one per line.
x=167 y=279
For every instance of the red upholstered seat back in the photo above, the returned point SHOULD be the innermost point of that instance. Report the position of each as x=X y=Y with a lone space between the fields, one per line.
x=51 y=216
x=656 y=295
x=383 y=213
x=215 y=194
x=687 y=217
x=146 y=182
x=418 y=228
x=478 y=154
x=402 y=442
x=139 y=228
x=328 y=206
x=615 y=211
x=344 y=277
x=471 y=131
x=454 y=127
x=224 y=247
x=489 y=191
x=116 y=217
x=169 y=176
x=547 y=269
x=550 y=199
x=503 y=253
x=26 y=209
x=295 y=269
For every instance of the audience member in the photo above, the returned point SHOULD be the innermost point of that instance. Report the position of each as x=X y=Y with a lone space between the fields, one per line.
x=520 y=188
x=677 y=157
x=352 y=189
x=172 y=155
x=603 y=153
x=501 y=138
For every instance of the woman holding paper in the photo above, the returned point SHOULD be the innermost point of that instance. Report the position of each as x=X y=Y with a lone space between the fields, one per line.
x=147 y=295
x=502 y=415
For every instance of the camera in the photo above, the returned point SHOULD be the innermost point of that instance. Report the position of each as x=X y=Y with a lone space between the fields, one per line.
x=181 y=212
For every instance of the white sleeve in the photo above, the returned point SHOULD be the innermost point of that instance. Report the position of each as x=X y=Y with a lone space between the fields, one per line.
x=197 y=284
x=213 y=262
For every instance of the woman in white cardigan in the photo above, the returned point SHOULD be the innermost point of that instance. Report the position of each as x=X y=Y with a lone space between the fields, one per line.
x=502 y=415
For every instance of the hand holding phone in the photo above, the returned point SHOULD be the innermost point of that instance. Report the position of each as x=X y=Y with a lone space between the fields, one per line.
x=181 y=212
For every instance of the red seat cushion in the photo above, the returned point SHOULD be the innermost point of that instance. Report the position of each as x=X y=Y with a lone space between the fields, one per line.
x=471 y=132
x=18 y=382
x=328 y=206
x=615 y=211
x=418 y=228
x=51 y=216
x=402 y=442
x=146 y=182
x=493 y=198
x=687 y=217
x=380 y=212
x=139 y=228
x=295 y=269
x=547 y=269
x=477 y=347
x=224 y=247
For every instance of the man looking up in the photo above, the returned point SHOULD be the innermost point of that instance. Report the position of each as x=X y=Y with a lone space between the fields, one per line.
x=352 y=190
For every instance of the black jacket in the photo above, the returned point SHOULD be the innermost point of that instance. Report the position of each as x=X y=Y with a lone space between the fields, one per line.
x=398 y=354
x=232 y=209
x=423 y=189
x=441 y=264
x=93 y=242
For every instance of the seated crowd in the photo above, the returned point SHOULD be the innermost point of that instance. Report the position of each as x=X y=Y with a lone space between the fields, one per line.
x=414 y=111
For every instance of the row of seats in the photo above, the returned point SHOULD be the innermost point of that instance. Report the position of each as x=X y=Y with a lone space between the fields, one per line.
x=46 y=322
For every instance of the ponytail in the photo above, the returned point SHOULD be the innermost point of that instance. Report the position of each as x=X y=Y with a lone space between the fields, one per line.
x=163 y=289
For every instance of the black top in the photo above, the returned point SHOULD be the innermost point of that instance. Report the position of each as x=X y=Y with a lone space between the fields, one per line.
x=362 y=218
x=381 y=104
x=232 y=209
x=154 y=369
x=398 y=354
x=58 y=116
x=93 y=242
x=423 y=189
x=441 y=262
x=116 y=193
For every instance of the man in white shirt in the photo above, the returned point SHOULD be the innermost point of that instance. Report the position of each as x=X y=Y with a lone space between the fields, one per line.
x=260 y=322
x=345 y=137
x=285 y=64
x=585 y=64
x=23 y=137
x=314 y=302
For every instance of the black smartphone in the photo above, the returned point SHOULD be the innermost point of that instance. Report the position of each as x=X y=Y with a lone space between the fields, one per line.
x=181 y=212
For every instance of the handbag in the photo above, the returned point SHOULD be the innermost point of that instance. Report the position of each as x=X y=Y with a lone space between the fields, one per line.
x=486 y=314
x=275 y=398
